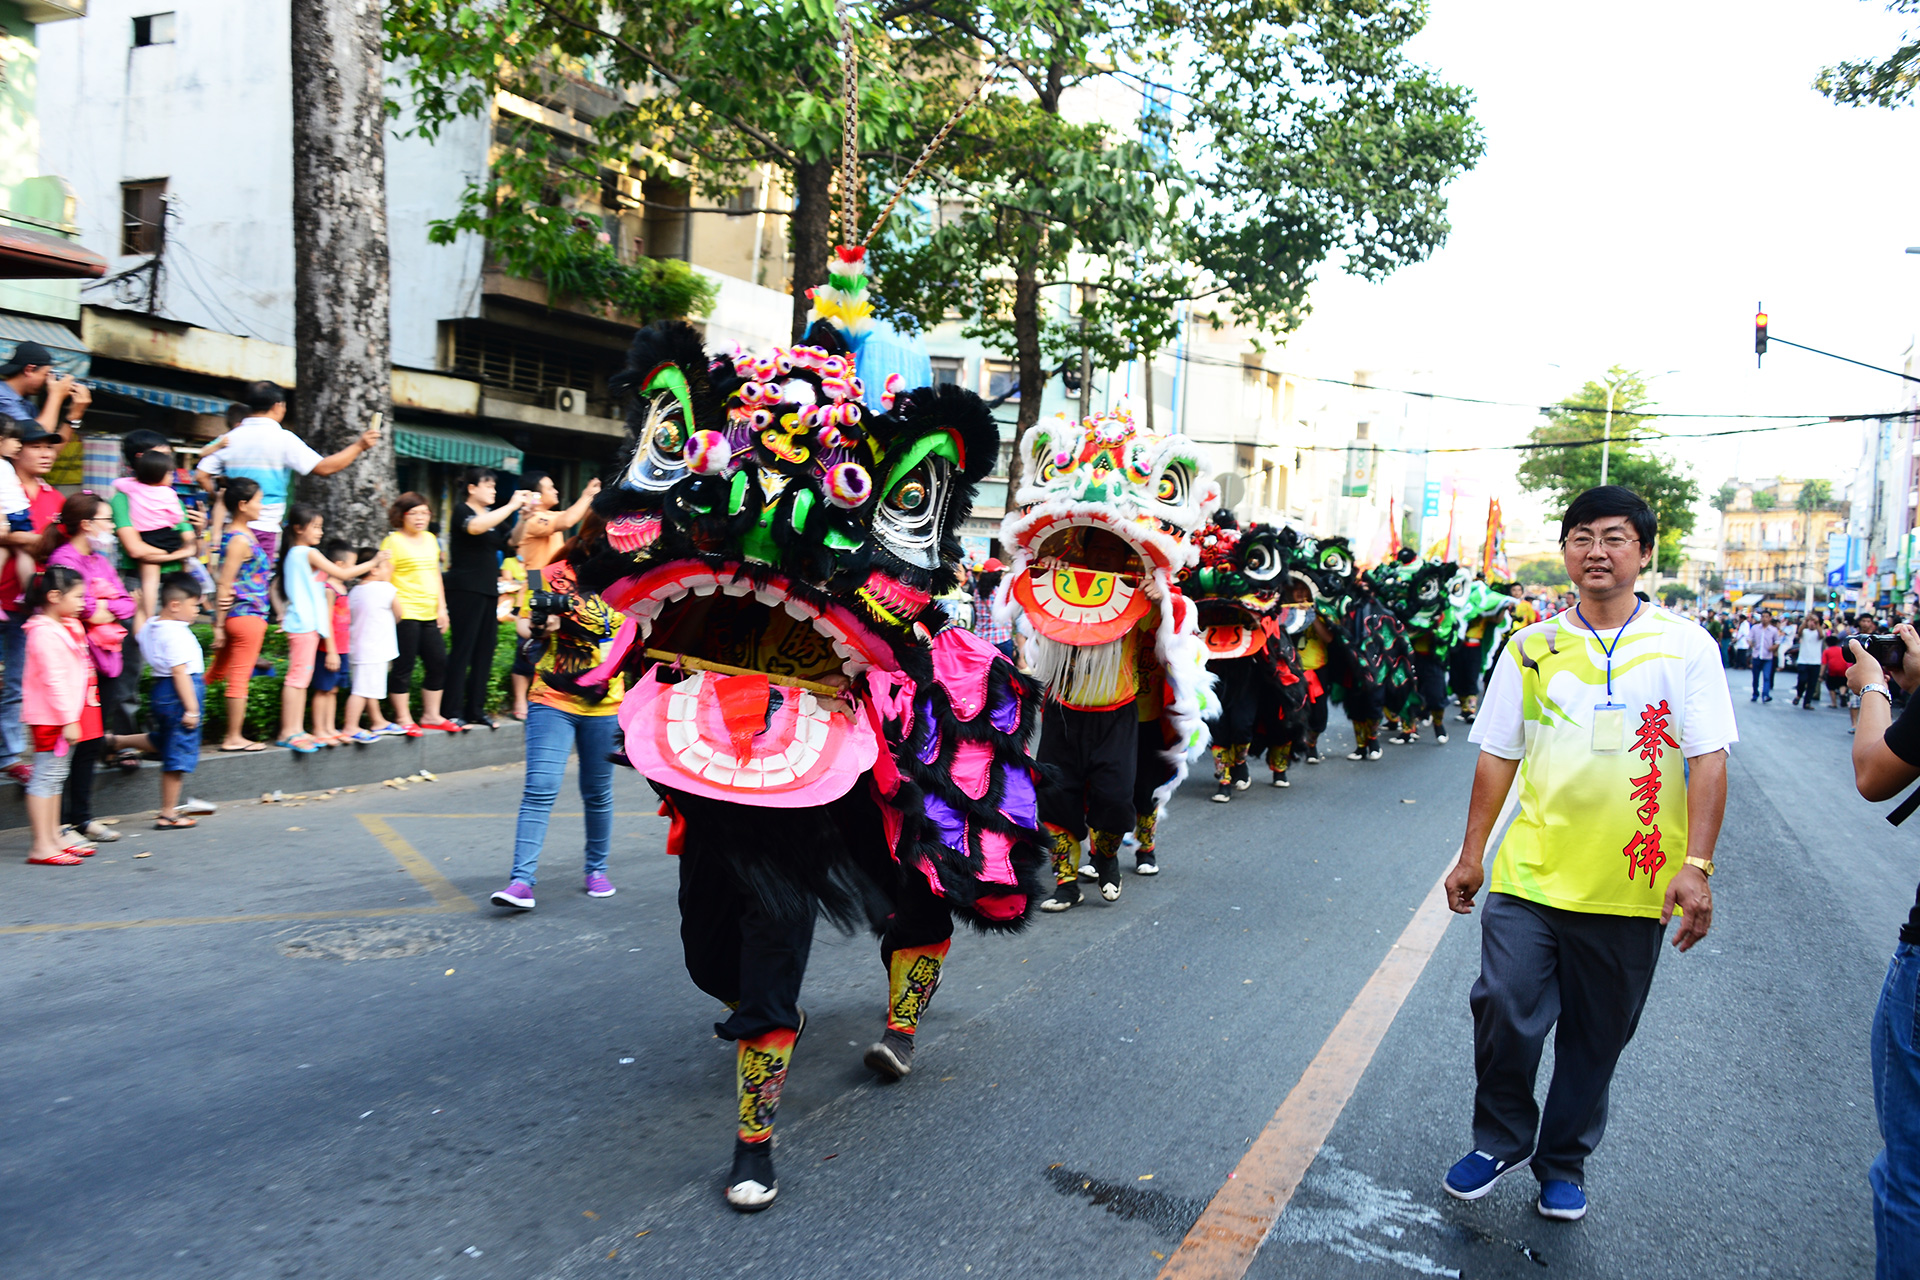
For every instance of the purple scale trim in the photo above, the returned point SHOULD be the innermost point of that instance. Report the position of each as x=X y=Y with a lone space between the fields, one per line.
x=1005 y=715
x=947 y=821
x=929 y=749
x=1017 y=800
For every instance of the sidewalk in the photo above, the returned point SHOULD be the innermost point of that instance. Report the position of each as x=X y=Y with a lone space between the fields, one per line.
x=251 y=774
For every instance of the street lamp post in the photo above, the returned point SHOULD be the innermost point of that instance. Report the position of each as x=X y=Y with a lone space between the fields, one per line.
x=1606 y=440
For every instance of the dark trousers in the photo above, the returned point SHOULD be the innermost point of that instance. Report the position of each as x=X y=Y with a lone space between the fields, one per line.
x=470 y=645
x=76 y=797
x=736 y=950
x=1763 y=677
x=1239 y=700
x=418 y=638
x=1808 y=689
x=120 y=695
x=1465 y=666
x=1430 y=671
x=1150 y=767
x=1096 y=754
x=919 y=919
x=1541 y=966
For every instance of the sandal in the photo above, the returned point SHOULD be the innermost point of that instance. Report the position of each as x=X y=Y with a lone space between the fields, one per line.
x=300 y=743
x=251 y=746
x=61 y=859
x=128 y=759
x=164 y=823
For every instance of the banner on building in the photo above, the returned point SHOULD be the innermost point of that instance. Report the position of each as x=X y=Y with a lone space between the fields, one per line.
x=1430 y=508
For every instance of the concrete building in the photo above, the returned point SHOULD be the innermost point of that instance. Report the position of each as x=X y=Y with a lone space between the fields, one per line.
x=176 y=129
x=1768 y=547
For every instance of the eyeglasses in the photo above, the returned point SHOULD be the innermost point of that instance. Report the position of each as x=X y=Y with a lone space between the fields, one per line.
x=1613 y=543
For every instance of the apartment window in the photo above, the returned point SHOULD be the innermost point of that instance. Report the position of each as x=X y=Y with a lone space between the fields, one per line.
x=155 y=28
x=1003 y=379
x=143 y=216
x=946 y=372
x=518 y=364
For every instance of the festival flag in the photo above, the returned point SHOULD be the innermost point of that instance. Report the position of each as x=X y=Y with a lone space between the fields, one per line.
x=1494 y=559
x=1452 y=551
x=1393 y=527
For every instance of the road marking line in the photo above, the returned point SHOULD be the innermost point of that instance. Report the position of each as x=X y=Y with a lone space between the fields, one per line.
x=1237 y=1220
x=417 y=866
x=447 y=898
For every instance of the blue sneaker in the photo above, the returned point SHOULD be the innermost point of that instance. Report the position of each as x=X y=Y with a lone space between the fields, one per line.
x=1474 y=1174
x=1562 y=1200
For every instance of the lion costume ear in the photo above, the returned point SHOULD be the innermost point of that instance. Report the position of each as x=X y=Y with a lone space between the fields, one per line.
x=670 y=357
x=963 y=417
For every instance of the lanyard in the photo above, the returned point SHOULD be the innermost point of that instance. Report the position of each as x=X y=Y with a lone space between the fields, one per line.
x=1604 y=646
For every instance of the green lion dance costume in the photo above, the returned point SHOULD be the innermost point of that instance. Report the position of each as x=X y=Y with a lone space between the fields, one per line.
x=823 y=739
x=1371 y=661
x=1098 y=533
x=1417 y=593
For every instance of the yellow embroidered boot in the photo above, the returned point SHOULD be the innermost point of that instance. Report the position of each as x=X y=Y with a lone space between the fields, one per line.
x=1278 y=759
x=1222 y=774
x=913 y=975
x=760 y=1071
x=1144 y=862
x=1066 y=871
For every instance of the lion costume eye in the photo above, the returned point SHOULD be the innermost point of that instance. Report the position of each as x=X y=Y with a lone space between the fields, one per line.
x=659 y=459
x=1172 y=487
x=909 y=519
x=1261 y=562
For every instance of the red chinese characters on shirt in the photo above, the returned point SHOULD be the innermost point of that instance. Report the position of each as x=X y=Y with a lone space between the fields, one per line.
x=1643 y=851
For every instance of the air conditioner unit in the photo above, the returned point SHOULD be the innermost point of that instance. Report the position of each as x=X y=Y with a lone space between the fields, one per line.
x=569 y=400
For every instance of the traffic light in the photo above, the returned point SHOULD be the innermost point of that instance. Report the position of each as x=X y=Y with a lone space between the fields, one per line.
x=1759 y=335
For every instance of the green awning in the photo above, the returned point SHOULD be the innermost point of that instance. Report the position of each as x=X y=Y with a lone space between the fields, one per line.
x=466 y=448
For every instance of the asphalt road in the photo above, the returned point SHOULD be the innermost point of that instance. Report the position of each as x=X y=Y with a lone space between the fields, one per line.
x=367 y=1075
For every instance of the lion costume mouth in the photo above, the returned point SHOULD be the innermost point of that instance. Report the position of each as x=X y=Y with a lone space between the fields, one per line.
x=731 y=706
x=1085 y=585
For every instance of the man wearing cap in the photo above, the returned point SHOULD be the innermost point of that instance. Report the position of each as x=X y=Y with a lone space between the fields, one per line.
x=261 y=449
x=31 y=372
x=38 y=448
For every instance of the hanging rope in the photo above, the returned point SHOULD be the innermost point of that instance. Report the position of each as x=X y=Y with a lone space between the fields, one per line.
x=850 y=140
x=927 y=154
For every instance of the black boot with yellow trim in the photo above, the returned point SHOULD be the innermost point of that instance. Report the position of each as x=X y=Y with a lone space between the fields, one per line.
x=1066 y=871
x=760 y=1072
x=913 y=975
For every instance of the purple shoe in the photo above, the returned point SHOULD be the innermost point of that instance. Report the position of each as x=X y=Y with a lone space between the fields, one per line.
x=518 y=894
x=598 y=886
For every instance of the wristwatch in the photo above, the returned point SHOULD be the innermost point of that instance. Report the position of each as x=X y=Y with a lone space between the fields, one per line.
x=1880 y=689
x=1704 y=864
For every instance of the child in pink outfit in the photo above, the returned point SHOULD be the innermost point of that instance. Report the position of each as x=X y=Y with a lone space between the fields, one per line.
x=149 y=506
x=57 y=699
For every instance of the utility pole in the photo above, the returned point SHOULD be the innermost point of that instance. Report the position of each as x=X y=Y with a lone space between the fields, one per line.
x=342 y=333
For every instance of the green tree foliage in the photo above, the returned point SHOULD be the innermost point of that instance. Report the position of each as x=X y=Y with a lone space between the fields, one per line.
x=1815 y=495
x=1877 y=82
x=1765 y=500
x=1672 y=593
x=1570 y=462
x=1723 y=499
x=1545 y=571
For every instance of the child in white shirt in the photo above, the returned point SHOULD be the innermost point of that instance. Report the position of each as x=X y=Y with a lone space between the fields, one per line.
x=374 y=643
x=13 y=498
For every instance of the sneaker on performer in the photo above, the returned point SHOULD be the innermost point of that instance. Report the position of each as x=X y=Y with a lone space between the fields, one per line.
x=1359 y=752
x=1374 y=752
x=1280 y=778
x=598 y=886
x=1474 y=1174
x=1145 y=864
x=1241 y=778
x=1440 y=735
x=1561 y=1199
x=1222 y=791
x=1109 y=873
x=519 y=894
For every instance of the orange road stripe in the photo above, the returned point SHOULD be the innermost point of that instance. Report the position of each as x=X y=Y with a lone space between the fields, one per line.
x=1236 y=1221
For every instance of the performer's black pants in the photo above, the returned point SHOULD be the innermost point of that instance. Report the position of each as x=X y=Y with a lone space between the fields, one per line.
x=1239 y=699
x=1465 y=662
x=1317 y=714
x=1150 y=767
x=736 y=950
x=919 y=919
x=1431 y=671
x=1096 y=754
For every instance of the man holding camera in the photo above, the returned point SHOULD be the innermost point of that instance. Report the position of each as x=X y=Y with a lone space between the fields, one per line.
x=1886 y=759
x=1618 y=716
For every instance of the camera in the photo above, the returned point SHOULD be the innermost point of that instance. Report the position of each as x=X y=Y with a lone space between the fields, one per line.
x=1887 y=650
x=542 y=607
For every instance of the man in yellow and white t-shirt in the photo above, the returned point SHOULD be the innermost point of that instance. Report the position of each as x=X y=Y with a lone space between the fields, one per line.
x=1616 y=717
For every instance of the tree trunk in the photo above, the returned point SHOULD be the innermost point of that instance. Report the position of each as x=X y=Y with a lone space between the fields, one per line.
x=342 y=338
x=1026 y=345
x=812 y=224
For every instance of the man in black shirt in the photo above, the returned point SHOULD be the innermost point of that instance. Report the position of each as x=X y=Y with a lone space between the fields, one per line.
x=1886 y=758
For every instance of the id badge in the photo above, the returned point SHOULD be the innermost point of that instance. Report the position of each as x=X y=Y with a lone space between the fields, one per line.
x=1609 y=728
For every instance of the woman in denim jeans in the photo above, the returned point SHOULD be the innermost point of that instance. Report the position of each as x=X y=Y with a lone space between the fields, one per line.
x=565 y=715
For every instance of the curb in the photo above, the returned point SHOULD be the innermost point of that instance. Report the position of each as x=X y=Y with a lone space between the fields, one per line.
x=249 y=775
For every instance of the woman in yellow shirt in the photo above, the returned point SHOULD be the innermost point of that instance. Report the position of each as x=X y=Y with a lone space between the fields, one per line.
x=415 y=553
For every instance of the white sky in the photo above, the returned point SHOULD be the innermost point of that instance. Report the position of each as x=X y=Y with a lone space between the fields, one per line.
x=1652 y=170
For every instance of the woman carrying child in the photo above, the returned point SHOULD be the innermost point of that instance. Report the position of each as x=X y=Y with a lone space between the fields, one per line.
x=79 y=540
x=308 y=621
x=59 y=706
x=240 y=606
